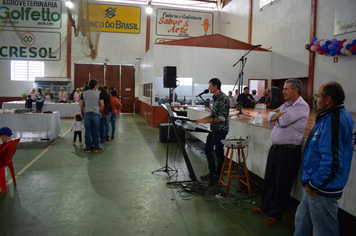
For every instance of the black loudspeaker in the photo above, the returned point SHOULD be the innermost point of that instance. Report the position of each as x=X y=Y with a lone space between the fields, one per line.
x=169 y=77
x=163 y=132
x=275 y=97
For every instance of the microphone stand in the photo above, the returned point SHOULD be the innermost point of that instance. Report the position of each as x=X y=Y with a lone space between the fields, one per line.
x=213 y=115
x=239 y=108
x=243 y=60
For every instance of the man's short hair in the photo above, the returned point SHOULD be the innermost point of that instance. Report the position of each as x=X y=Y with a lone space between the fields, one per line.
x=247 y=88
x=215 y=82
x=335 y=91
x=295 y=83
x=92 y=83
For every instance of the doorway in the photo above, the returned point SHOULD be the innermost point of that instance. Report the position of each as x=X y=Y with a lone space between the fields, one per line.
x=121 y=77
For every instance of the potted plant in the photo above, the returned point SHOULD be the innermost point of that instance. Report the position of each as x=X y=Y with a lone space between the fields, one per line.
x=24 y=96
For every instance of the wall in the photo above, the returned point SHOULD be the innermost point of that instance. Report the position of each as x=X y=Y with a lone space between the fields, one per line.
x=233 y=20
x=284 y=28
x=202 y=64
x=326 y=70
x=10 y=88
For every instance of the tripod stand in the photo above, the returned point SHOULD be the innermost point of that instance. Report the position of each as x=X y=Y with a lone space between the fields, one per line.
x=166 y=168
x=243 y=60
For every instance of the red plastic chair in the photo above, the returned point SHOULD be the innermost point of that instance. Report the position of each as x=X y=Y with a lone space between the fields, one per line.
x=8 y=151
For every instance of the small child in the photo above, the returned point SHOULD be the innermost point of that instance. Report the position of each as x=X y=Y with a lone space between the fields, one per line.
x=29 y=101
x=77 y=126
x=5 y=136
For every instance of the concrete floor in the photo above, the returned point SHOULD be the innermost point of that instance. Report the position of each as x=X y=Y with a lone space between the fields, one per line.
x=65 y=191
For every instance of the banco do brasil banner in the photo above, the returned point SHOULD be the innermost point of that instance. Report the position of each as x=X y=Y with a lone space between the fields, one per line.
x=116 y=19
x=32 y=14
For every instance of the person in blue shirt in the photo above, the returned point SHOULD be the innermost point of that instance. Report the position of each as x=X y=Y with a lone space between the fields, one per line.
x=326 y=164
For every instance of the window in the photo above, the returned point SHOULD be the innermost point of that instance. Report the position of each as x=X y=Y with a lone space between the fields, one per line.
x=264 y=3
x=185 y=81
x=26 y=70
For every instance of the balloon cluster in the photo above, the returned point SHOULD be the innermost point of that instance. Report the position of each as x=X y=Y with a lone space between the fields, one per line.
x=333 y=47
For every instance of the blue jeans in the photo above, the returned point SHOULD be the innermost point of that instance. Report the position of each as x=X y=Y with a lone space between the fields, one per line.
x=104 y=126
x=219 y=151
x=91 y=124
x=317 y=215
x=112 y=120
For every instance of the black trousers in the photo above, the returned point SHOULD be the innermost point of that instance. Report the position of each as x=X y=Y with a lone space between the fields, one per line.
x=39 y=106
x=282 y=168
x=79 y=134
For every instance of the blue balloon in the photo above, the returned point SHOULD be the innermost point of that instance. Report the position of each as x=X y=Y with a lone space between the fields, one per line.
x=324 y=47
x=314 y=39
x=332 y=53
x=354 y=53
x=334 y=48
x=328 y=42
x=348 y=46
x=354 y=42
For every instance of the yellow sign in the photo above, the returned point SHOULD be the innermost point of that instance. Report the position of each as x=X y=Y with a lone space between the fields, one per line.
x=116 y=19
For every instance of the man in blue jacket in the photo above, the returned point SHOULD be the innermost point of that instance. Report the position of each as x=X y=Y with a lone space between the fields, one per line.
x=326 y=164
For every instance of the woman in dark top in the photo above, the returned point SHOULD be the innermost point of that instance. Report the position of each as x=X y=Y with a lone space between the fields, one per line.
x=105 y=119
x=39 y=97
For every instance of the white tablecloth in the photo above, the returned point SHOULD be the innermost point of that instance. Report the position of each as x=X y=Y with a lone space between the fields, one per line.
x=64 y=109
x=32 y=126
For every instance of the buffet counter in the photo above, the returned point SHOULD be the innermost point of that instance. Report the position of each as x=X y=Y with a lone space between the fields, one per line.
x=32 y=126
x=260 y=141
x=64 y=109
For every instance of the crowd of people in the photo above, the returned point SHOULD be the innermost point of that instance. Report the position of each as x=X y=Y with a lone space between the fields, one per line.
x=326 y=160
x=99 y=106
x=248 y=100
x=40 y=98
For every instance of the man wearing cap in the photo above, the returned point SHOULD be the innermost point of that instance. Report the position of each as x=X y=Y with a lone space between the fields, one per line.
x=62 y=96
x=5 y=136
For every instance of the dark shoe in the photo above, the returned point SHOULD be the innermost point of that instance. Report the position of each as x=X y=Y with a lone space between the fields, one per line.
x=112 y=137
x=257 y=211
x=101 y=141
x=87 y=149
x=107 y=138
x=206 y=177
x=97 y=149
x=270 y=222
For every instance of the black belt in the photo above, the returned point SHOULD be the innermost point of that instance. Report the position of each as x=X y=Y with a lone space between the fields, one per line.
x=286 y=146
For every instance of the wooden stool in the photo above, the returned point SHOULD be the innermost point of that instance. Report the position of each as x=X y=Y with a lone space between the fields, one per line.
x=242 y=178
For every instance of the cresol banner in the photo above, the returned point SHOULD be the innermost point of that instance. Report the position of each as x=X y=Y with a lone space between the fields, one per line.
x=184 y=23
x=30 y=45
x=32 y=14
